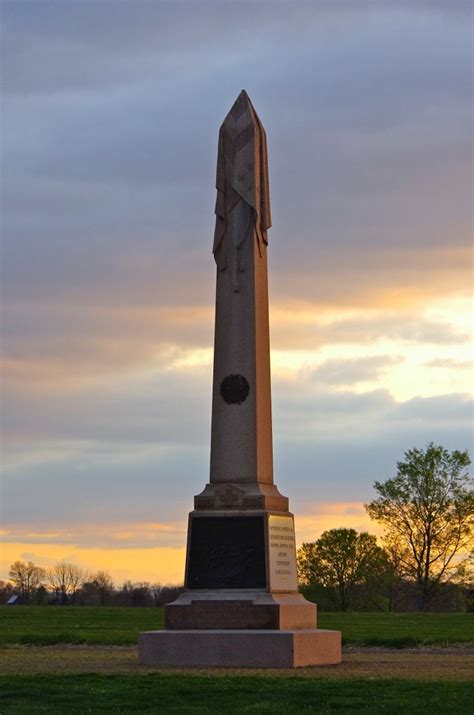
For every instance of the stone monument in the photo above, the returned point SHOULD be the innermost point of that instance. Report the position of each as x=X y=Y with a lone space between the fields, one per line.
x=241 y=605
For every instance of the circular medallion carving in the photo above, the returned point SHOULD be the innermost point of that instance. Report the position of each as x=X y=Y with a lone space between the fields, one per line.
x=234 y=389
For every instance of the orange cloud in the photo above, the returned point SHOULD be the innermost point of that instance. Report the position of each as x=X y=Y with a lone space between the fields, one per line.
x=389 y=278
x=332 y=515
x=107 y=343
x=112 y=536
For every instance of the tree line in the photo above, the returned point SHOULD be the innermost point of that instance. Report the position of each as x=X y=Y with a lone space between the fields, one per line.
x=425 y=561
x=68 y=584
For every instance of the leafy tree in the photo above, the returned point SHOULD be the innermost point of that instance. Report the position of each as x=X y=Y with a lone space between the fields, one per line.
x=427 y=512
x=27 y=578
x=340 y=559
x=66 y=580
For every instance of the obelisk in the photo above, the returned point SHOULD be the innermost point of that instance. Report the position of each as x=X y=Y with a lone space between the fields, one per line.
x=241 y=605
x=241 y=439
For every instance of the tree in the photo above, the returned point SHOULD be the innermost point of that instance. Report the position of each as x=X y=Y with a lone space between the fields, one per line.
x=427 y=512
x=66 y=580
x=135 y=594
x=98 y=590
x=27 y=578
x=340 y=559
x=104 y=585
x=6 y=591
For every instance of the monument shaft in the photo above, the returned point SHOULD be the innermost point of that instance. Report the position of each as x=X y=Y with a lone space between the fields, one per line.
x=241 y=439
x=241 y=588
x=241 y=468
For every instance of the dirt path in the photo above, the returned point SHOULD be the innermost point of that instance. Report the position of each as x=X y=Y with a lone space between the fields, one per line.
x=420 y=663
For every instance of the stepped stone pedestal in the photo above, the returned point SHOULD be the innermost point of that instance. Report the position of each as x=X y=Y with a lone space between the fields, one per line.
x=241 y=649
x=241 y=605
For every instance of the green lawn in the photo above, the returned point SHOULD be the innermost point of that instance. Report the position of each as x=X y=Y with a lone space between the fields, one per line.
x=158 y=693
x=47 y=625
x=121 y=626
x=401 y=630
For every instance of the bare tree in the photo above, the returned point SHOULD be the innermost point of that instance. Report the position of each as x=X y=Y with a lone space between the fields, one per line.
x=66 y=580
x=27 y=578
x=135 y=594
x=103 y=584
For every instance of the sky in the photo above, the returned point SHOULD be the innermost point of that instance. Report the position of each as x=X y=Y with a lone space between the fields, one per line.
x=110 y=117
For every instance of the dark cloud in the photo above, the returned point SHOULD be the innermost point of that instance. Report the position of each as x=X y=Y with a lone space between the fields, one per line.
x=305 y=412
x=109 y=190
x=95 y=42
x=334 y=446
x=132 y=410
x=100 y=483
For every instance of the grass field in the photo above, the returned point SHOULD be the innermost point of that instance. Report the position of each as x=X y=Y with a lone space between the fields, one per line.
x=121 y=626
x=56 y=624
x=43 y=669
x=158 y=693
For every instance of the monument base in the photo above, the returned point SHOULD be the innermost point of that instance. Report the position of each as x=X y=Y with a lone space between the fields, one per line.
x=239 y=610
x=242 y=649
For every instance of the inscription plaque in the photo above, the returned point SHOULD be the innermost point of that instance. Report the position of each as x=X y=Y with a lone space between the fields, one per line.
x=226 y=552
x=282 y=550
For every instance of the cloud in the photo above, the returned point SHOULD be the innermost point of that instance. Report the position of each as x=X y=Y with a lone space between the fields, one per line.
x=69 y=348
x=310 y=326
x=112 y=47
x=126 y=535
x=135 y=460
x=449 y=363
x=304 y=412
x=77 y=343
x=161 y=407
x=110 y=194
x=322 y=516
x=352 y=371
x=317 y=517
x=101 y=482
